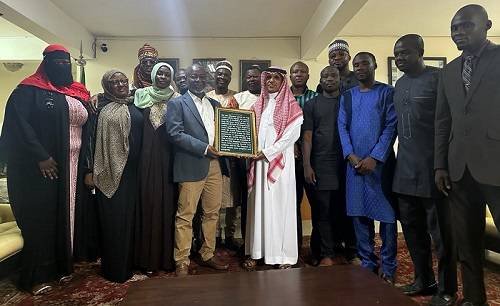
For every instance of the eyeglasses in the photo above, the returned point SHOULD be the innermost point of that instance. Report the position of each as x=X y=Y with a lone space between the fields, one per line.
x=196 y=77
x=119 y=82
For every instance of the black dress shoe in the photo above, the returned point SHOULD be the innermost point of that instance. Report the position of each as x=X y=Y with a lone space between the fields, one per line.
x=388 y=279
x=231 y=244
x=65 y=279
x=41 y=289
x=151 y=273
x=467 y=303
x=443 y=300
x=415 y=289
x=241 y=251
x=218 y=243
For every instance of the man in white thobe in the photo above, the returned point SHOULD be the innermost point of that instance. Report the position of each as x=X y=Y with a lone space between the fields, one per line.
x=271 y=220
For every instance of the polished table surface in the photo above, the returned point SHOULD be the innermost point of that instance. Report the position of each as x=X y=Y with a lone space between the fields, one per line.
x=337 y=285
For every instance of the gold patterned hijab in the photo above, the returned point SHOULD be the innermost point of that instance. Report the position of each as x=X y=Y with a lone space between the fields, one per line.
x=112 y=145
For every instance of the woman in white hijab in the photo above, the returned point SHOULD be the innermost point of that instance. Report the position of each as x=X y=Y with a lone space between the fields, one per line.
x=158 y=193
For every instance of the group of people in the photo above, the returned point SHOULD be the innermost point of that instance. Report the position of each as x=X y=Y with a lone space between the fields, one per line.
x=131 y=175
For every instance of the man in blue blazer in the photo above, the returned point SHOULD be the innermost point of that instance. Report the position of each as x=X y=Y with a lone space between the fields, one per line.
x=197 y=168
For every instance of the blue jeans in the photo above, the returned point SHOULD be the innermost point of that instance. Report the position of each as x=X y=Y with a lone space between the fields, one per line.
x=365 y=235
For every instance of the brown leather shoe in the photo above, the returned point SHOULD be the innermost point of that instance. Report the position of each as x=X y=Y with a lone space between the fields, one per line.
x=182 y=270
x=339 y=260
x=326 y=262
x=215 y=263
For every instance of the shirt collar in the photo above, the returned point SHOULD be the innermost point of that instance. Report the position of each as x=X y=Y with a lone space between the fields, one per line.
x=273 y=95
x=252 y=94
x=376 y=84
x=478 y=52
x=306 y=89
x=194 y=97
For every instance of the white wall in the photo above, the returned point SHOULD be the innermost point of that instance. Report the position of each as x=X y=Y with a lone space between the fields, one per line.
x=9 y=81
x=18 y=44
x=382 y=47
x=282 y=52
x=122 y=54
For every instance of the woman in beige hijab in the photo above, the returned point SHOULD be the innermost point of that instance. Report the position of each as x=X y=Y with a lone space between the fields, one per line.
x=116 y=159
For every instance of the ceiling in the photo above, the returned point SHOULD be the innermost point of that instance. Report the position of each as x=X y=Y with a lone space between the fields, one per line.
x=8 y=29
x=191 y=18
x=424 y=17
x=261 y=18
x=245 y=18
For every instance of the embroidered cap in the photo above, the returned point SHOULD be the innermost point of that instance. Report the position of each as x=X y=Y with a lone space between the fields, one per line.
x=338 y=44
x=147 y=51
x=224 y=65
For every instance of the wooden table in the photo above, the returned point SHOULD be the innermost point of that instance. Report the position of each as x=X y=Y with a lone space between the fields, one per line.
x=338 y=285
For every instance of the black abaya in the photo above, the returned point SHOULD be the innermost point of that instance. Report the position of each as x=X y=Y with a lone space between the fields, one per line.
x=156 y=212
x=36 y=127
x=117 y=214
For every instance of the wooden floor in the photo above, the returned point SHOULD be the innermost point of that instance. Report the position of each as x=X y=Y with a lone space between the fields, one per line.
x=338 y=285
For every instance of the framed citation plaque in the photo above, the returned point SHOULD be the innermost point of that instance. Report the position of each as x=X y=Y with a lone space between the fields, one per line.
x=235 y=132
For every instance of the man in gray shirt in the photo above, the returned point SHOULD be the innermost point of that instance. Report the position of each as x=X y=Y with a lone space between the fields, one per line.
x=422 y=209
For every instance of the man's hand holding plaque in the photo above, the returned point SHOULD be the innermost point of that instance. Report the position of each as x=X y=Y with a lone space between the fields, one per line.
x=212 y=152
x=259 y=156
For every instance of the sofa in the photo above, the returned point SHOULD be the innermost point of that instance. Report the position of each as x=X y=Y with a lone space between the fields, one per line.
x=11 y=240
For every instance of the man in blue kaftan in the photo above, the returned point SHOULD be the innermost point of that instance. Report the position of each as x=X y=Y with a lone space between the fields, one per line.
x=367 y=128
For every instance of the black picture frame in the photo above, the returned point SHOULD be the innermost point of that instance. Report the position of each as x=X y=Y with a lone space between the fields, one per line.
x=174 y=62
x=209 y=65
x=394 y=74
x=245 y=65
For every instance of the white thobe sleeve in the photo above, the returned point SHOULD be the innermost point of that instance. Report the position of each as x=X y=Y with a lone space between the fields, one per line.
x=289 y=137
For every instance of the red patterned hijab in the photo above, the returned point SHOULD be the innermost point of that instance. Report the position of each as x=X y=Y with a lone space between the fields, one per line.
x=286 y=111
x=39 y=79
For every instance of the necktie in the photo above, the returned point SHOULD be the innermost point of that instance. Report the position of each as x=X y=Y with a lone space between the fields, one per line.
x=467 y=72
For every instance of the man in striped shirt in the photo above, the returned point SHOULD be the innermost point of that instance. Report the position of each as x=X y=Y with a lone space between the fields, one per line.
x=299 y=74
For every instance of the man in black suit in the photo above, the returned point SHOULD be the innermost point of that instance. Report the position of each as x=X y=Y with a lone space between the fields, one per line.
x=467 y=142
x=422 y=208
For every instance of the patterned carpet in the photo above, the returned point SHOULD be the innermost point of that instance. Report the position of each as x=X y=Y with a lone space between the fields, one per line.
x=88 y=288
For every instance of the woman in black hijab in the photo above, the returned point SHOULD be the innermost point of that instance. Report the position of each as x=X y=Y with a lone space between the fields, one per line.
x=43 y=141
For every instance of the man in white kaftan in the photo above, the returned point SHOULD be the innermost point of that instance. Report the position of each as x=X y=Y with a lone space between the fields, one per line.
x=271 y=220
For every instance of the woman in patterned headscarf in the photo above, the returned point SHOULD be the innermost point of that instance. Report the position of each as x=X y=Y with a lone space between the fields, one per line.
x=116 y=160
x=155 y=231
